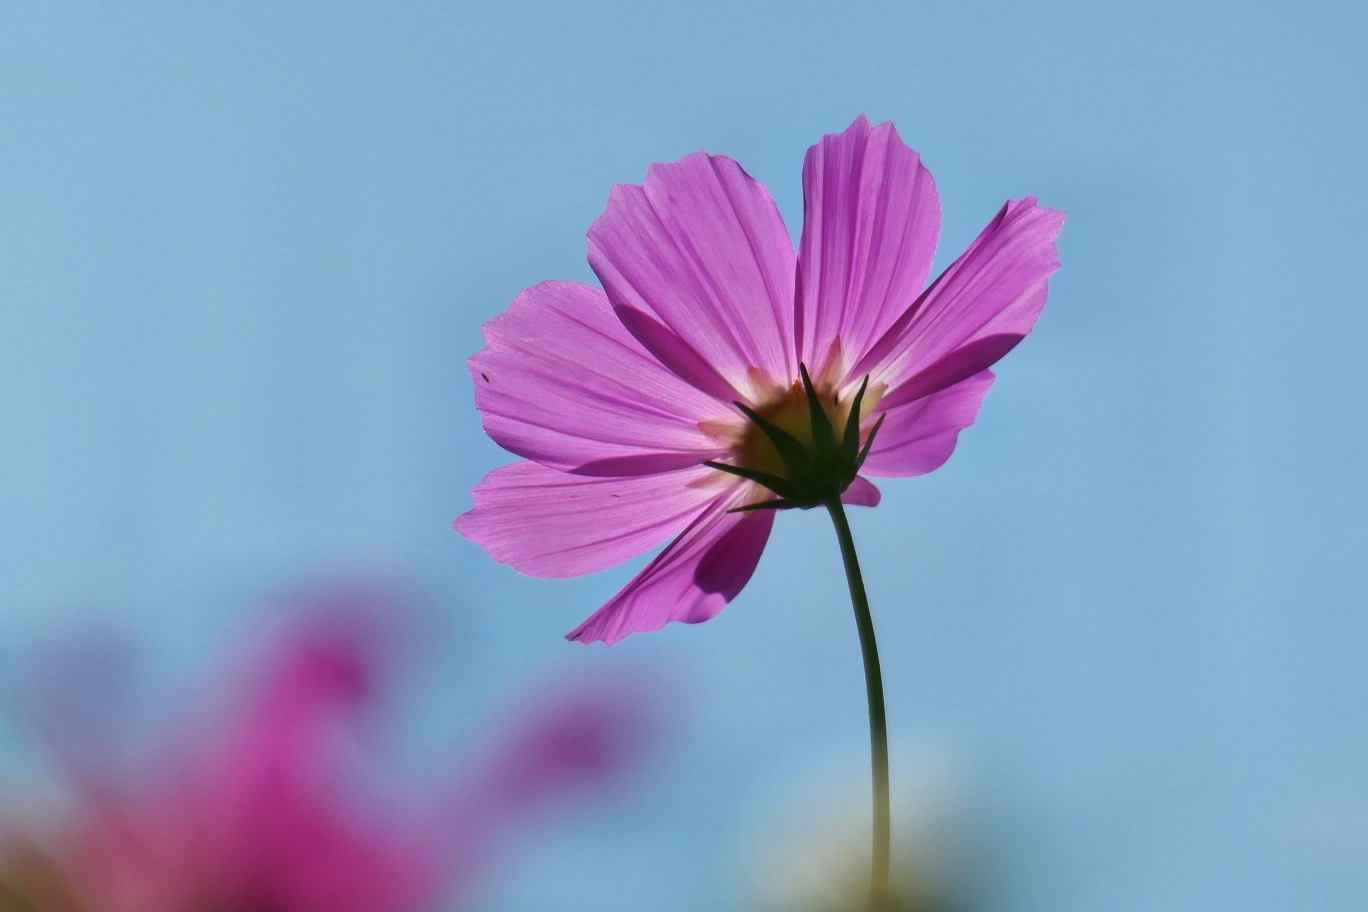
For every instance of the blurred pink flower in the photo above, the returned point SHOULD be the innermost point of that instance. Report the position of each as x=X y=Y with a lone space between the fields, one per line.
x=673 y=403
x=263 y=804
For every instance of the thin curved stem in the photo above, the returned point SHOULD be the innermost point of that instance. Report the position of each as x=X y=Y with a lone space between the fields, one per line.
x=878 y=722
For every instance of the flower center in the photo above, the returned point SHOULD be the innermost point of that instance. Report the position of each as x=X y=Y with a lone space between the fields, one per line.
x=803 y=445
x=791 y=411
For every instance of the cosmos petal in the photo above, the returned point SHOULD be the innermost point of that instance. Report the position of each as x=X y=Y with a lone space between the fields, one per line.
x=976 y=311
x=862 y=492
x=919 y=436
x=552 y=524
x=701 y=250
x=871 y=220
x=563 y=383
x=692 y=579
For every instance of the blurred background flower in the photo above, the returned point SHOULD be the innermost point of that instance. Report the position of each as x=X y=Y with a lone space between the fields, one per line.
x=807 y=847
x=266 y=793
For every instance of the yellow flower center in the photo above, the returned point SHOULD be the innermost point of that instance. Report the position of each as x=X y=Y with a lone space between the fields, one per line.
x=788 y=409
x=803 y=443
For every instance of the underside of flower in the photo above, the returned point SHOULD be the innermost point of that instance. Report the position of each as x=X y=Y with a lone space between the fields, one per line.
x=791 y=446
x=615 y=396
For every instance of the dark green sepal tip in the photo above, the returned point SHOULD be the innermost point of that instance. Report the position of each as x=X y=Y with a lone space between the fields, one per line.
x=781 y=486
x=790 y=448
x=869 y=443
x=850 y=442
x=823 y=434
x=777 y=504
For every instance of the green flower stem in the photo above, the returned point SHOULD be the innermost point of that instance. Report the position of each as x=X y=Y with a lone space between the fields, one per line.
x=878 y=723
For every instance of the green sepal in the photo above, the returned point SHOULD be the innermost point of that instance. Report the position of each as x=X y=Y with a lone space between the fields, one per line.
x=779 y=504
x=869 y=442
x=781 y=486
x=850 y=444
x=790 y=448
x=823 y=435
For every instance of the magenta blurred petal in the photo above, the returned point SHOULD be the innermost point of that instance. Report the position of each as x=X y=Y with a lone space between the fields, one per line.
x=691 y=580
x=976 y=311
x=871 y=219
x=861 y=493
x=550 y=524
x=264 y=800
x=578 y=736
x=562 y=382
x=700 y=247
x=249 y=811
x=918 y=437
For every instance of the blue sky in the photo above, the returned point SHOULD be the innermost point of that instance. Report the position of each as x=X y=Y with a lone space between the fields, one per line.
x=246 y=250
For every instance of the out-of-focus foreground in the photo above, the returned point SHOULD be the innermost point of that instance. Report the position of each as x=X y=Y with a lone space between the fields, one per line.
x=267 y=792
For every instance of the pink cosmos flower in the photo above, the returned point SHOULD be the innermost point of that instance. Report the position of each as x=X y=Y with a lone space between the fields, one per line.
x=265 y=801
x=718 y=376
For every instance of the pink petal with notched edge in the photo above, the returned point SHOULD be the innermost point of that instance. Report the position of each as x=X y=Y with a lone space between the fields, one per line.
x=691 y=580
x=871 y=219
x=563 y=383
x=919 y=436
x=862 y=493
x=701 y=249
x=973 y=314
x=553 y=525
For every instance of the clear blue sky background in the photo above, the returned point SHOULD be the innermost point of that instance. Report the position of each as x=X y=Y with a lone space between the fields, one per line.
x=246 y=250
